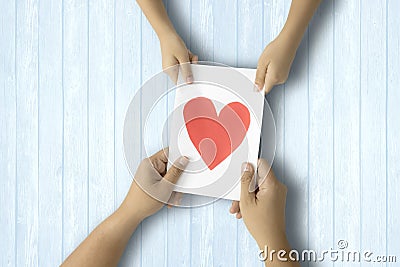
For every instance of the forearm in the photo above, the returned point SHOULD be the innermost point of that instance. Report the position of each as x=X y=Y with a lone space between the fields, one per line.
x=276 y=251
x=300 y=14
x=156 y=14
x=106 y=244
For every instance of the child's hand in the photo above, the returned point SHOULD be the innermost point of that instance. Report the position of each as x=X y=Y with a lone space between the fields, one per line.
x=263 y=211
x=274 y=63
x=153 y=185
x=174 y=52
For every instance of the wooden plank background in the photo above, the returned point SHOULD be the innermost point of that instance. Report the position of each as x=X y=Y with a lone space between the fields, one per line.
x=69 y=68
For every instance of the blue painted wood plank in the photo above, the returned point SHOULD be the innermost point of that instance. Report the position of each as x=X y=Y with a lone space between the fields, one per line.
x=346 y=62
x=8 y=133
x=50 y=151
x=49 y=80
x=296 y=148
x=321 y=201
x=179 y=227
x=249 y=47
x=393 y=130
x=225 y=51
x=27 y=134
x=202 y=44
x=373 y=126
x=76 y=139
x=127 y=84
x=154 y=229
x=101 y=111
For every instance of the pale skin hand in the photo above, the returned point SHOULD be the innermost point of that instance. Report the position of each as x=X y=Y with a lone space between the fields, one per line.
x=173 y=49
x=275 y=61
x=105 y=245
x=263 y=211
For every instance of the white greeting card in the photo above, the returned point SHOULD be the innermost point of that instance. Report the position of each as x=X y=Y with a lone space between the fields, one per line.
x=216 y=122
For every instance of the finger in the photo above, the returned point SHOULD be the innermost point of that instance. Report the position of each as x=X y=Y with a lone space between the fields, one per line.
x=269 y=84
x=172 y=71
x=174 y=199
x=266 y=174
x=193 y=58
x=176 y=170
x=184 y=62
x=161 y=155
x=260 y=75
x=235 y=208
x=247 y=176
x=239 y=215
x=159 y=160
x=178 y=198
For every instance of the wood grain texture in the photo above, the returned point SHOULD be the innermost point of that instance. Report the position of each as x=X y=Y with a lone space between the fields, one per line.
x=296 y=151
x=154 y=229
x=101 y=111
x=225 y=51
x=8 y=133
x=128 y=56
x=27 y=134
x=70 y=68
x=51 y=130
x=346 y=61
x=76 y=138
x=373 y=127
x=202 y=218
x=249 y=47
x=321 y=127
x=179 y=219
x=393 y=129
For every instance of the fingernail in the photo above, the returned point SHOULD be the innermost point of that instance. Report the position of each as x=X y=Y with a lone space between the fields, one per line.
x=257 y=87
x=189 y=79
x=183 y=161
x=245 y=167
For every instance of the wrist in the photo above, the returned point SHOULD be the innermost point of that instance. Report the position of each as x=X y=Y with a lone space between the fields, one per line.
x=272 y=239
x=167 y=33
x=291 y=38
x=131 y=214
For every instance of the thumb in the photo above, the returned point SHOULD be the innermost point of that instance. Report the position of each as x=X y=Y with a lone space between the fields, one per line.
x=184 y=62
x=260 y=75
x=176 y=170
x=172 y=71
x=269 y=83
x=247 y=176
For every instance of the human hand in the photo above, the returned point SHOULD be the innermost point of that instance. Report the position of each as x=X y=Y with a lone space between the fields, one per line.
x=263 y=210
x=153 y=184
x=174 y=52
x=274 y=63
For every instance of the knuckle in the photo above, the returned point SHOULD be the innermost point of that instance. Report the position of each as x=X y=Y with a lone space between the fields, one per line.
x=145 y=162
x=175 y=171
x=275 y=77
x=246 y=178
x=183 y=57
x=261 y=62
x=278 y=78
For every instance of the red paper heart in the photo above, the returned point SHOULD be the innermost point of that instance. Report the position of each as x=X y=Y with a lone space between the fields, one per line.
x=215 y=136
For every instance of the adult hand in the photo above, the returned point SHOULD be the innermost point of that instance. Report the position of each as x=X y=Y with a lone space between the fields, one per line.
x=274 y=63
x=153 y=184
x=174 y=52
